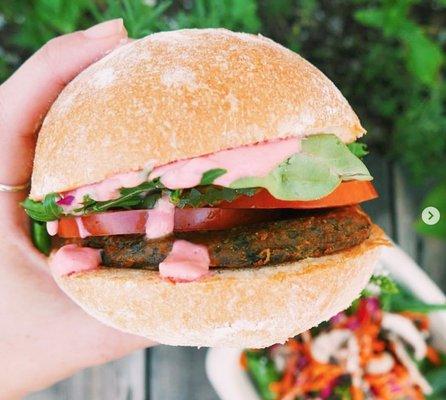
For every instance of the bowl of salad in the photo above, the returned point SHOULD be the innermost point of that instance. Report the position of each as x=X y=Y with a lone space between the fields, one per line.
x=390 y=344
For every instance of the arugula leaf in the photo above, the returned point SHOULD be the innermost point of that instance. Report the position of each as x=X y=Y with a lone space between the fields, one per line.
x=211 y=175
x=150 y=200
x=358 y=149
x=263 y=372
x=385 y=283
x=387 y=290
x=404 y=300
x=143 y=196
x=34 y=209
x=40 y=237
x=415 y=305
x=315 y=172
x=175 y=196
x=130 y=198
x=146 y=195
x=396 y=298
x=343 y=392
x=210 y=195
x=45 y=211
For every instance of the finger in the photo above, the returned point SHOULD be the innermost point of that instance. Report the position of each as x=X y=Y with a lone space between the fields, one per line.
x=27 y=95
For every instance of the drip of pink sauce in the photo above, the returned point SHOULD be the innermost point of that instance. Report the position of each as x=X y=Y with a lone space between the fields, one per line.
x=246 y=161
x=72 y=258
x=160 y=220
x=83 y=231
x=52 y=227
x=106 y=190
x=186 y=262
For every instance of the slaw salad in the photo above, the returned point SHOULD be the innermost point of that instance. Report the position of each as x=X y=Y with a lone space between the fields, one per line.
x=380 y=348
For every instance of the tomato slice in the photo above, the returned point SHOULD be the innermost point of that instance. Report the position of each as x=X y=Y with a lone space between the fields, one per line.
x=347 y=193
x=242 y=211
x=187 y=219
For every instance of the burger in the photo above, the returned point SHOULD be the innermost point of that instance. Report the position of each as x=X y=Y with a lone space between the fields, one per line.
x=202 y=187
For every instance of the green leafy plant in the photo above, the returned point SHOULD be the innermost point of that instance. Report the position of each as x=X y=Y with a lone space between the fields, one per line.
x=387 y=57
x=141 y=17
x=420 y=127
x=423 y=57
x=238 y=15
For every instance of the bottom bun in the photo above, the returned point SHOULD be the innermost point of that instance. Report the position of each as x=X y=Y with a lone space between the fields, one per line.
x=253 y=307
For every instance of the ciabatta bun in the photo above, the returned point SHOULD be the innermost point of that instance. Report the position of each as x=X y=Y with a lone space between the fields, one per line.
x=253 y=307
x=182 y=94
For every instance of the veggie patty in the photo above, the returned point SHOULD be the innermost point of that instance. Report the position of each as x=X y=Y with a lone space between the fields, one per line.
x=300 y=235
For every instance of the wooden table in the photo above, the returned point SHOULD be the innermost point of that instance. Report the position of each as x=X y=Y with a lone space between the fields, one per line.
x=169 y=373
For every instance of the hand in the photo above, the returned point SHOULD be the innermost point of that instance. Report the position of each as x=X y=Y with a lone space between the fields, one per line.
x=44 y=336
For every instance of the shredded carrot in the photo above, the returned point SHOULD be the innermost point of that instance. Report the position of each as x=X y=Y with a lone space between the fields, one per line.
x=378 y=346
x=356 y=393
x=422 y=320
x=303 y=374
x=400 y=370
x=433 y=356
x=275 y=387
x=244 y=361
x=287 y=381
x=293 y=344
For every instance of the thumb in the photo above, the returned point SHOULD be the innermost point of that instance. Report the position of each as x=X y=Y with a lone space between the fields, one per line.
x=27 y=95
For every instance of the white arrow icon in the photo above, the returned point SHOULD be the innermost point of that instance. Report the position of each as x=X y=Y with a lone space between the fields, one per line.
x=430 y=215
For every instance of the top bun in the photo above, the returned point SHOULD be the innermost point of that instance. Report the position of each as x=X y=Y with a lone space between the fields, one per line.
x=182 y=94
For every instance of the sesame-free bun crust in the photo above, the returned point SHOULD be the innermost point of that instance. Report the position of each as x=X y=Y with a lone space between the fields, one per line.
x=182 y=94
x=253 y=307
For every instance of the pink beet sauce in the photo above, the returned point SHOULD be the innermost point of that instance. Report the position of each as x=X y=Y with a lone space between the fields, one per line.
x=72 y=258
x=255 y=160
x=52 y=227
x=160 y=221
x=108 y=189
x=186 y=262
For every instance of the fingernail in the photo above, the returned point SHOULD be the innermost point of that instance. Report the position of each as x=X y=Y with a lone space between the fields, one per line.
x=105 y=29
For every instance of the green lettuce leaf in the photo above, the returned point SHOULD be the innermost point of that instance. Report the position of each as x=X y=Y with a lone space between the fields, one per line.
x=358 y=149
x=315 y=172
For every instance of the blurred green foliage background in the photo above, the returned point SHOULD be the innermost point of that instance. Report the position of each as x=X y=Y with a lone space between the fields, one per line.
x=386 y=56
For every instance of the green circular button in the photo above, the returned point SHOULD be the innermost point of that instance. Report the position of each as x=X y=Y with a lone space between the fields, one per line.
x=430 y=215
